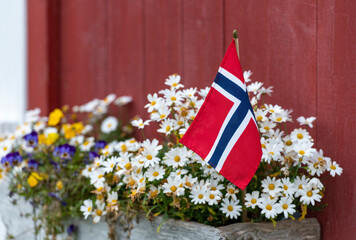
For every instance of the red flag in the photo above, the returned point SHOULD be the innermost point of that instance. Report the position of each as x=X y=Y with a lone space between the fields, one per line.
x=224 y=132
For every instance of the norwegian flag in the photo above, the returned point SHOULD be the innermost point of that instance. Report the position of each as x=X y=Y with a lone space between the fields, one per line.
x=224 y=132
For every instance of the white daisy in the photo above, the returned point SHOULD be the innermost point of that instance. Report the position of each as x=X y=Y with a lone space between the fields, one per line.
x=252 y=199
x=334 y=168
x=87 y=208
x=231 y=208
x=109 y=124
x=174 y=186
x=154 y=101
x=155 y=173
x=271 y=186
x=99 y=211
x=306 y=121
x=269 y=207
x=247 y=75
x=176 y=157
x=123 y=100
x=140 y=124
x=173 y=81
x=309 y=195
x=300 y=135
x=286 y=207
x=199 y=194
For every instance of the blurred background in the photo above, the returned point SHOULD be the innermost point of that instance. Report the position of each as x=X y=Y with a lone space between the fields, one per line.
x=68 y=52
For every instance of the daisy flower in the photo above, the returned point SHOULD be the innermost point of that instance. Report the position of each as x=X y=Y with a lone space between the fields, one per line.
x=300 y=182
x=269 y=207
x=231 y=208
x=304 y=149
x=253 y=87
x=199 y=194
x=162 y=113
x=155 y=173
x=152 y=145
x=109 y=164
x=288 y=188
x=173 y=81
x=309 y=195
x=252 y=199
x=286 y=207
x=231 y=191
x=140 y=124
x=166 y=126
x=87 y=208
x=189 y=180
x=99 y=212
x=174 y=186
x=176 y=157
x=306 y=121
x=260 y=115
x=112 y=201
x=109 y=124
x=189 y=93
x=271 y=186
x=247 y=75
x=213 y=197
x=334 y=168
x=123 y=100
x=154 y=101
x=149 y=157
x=204 y=92
x=300 y=135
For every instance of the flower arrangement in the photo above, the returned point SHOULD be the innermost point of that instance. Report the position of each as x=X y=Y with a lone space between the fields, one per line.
x=170 y=180
x=44 y=158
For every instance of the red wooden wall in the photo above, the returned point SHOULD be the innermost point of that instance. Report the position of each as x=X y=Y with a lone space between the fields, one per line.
x=79 y=49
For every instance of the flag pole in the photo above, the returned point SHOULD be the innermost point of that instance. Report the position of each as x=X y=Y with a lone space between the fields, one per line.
x=244 y=211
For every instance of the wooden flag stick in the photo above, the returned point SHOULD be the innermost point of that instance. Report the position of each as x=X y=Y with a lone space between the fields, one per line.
x=234 y=34
x=244 y=211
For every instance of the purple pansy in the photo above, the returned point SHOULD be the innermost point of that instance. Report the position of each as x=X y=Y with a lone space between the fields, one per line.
x=32 y=164
x=31 y=139
x=11 y=159
x=65 y=151
x=99 y=145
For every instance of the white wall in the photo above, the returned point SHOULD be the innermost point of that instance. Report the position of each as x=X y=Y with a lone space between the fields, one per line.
x=12 y=62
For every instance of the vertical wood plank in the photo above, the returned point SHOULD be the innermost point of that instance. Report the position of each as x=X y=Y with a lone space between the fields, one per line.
x=202 y=41
x=43 y=54
x=278 y=44
x=84 y=50
x=163 y=42
x=336 y=113
x=126 y=59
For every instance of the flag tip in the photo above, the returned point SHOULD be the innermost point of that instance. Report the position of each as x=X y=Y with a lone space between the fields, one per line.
x=234 y=34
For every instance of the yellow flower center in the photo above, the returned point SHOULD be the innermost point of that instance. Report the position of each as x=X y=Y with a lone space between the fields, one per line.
x=263 y=146
x=123 y=148
x=189 y=184
x=168 y=128
x=231 y=191
x=154 y=194
x=285 y=187
x=271 y=186
x=162 y=116
x=128 y=166
x=153 y=103
x=213 y=188
x=266 y=128
x=174 y=84
x=271 y=153
x=109 y=125
x=211 y=196
x=173 y=188
x=285 y=206
x=230 y=208
x=5 y=148
x=288 y=142
x=180 y=123
x=269 y=207
x=253 y=201
x=309 y=193
x=112 y=165
x=300 y=186
x=301 y=152
x=259 y=118
x=173 y=98
x=89 y=209
x=176 y=158
x=99 y=212
x=149 y=157
x=332 y=167
x=100 y=176
x=200 y=196
x=300 y=136
x=155 y=174
x=278 y=119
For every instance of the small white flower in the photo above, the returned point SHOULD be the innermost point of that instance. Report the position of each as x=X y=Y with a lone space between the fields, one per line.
x=269 y=207
x=109 y=124
x=231 y=208
x=286 y=207
x=306 y=121
x=334 y=168
x=252 y=199
x=123 y=100
x=87 y=208
x=140 y=124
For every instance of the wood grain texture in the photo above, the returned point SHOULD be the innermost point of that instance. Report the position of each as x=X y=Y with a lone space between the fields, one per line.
x=278 y=44
x=84 y=51
x=336 y=113
x=202 y=41
x=308 y=229
x=37 y=55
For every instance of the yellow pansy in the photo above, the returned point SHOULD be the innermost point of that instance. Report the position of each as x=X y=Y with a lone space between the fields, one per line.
x=59 y=185
x=55 y=117
x=51 y=138
x=70 y=130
